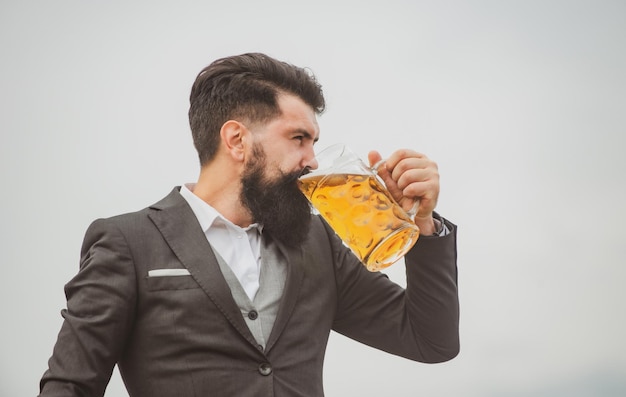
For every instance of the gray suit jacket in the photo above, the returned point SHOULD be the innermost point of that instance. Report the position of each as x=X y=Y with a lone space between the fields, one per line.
x=185 y=336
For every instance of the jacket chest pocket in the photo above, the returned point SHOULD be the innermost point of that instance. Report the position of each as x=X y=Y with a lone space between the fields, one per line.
x=162 y=283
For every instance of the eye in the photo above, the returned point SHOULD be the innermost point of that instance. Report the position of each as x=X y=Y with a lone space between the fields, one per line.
x=301 y=135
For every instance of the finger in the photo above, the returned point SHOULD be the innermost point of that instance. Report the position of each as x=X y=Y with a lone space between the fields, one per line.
x=375 y=158
x=427 y=192
x=418 y=172
x=399 y=165
x=381 y=170
x=401 y=154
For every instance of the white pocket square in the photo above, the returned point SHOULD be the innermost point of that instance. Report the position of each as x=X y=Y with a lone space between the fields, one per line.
x=168 y=272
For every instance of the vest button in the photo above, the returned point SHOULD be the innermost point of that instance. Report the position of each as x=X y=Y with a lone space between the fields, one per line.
x=253 y=315
x=265 y=369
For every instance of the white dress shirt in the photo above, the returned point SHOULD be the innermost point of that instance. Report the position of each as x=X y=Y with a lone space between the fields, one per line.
x=239 y=247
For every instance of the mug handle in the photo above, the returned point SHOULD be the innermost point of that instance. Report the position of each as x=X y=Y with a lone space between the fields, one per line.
x=416 y=202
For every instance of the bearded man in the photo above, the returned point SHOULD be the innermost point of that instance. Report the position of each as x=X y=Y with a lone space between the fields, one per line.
x=230 y=286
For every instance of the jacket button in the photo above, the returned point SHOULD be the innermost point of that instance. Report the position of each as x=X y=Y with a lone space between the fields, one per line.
x=265 y=369
x=253 y=315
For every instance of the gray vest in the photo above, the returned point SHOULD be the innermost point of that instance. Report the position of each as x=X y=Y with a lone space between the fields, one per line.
x=261 y=312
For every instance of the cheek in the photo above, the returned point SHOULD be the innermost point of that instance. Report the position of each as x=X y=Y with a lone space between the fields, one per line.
x=288 y=163
x=284 y=158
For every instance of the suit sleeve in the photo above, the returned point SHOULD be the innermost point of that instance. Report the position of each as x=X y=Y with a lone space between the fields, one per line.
x=98 y=317
x=420 y=322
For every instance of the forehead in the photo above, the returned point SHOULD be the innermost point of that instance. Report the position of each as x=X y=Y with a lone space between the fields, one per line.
x=296 y=114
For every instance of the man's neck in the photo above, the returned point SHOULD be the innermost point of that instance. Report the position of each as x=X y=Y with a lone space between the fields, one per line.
x=220 y=187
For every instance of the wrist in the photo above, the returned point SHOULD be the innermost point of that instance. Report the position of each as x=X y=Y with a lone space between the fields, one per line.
x=431 y=225
x=426 y=225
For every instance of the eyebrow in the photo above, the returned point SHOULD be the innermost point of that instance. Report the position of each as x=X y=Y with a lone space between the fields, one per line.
x=307 y=134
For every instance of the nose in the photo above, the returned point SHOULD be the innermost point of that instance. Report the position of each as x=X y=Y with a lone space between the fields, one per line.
x=311 y=164
x=309 y=161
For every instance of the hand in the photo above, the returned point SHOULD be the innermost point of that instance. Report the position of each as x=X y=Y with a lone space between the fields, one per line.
x=411 y=176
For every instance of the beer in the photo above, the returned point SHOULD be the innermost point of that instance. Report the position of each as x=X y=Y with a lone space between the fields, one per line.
x=364 y=215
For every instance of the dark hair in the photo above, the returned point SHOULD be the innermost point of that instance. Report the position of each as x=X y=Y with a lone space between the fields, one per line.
x=244 y=87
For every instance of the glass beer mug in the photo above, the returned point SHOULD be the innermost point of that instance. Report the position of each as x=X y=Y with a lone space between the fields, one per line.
x=354 y=201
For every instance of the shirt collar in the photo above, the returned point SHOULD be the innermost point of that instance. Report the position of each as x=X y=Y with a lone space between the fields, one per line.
x=206 y=214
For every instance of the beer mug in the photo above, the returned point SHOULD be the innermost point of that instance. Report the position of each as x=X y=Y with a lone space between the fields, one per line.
x=354 y=201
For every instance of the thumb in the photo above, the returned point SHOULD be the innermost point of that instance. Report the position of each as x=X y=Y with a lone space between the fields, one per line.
x=374 y=157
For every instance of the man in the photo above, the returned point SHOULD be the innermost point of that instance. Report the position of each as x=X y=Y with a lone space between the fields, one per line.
x=229 y=286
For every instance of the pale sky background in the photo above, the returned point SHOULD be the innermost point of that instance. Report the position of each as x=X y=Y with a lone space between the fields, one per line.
x=521 y=103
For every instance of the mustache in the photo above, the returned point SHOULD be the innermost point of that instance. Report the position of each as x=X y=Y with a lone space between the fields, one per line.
x=288 y=178
x=304 y=171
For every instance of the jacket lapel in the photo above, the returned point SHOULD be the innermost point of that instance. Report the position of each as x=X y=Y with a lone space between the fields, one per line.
x=181 y=230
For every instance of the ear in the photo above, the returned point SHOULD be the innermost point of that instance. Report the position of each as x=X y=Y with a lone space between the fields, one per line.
x=233 y=135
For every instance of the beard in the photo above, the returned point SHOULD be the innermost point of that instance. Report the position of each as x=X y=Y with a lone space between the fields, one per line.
x=277 y=204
